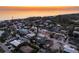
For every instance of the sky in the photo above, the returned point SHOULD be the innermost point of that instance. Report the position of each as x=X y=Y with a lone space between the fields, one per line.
x=28 y=8
x=9 y=12
x=39 y=2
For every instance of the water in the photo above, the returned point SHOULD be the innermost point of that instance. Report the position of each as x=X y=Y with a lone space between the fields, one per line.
x=7 y=14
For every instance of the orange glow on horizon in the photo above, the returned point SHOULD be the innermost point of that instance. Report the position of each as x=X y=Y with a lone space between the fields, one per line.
x=38 y=8
x=6 y=12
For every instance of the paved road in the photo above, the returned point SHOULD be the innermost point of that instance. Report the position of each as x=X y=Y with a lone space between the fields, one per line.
x=5 y=48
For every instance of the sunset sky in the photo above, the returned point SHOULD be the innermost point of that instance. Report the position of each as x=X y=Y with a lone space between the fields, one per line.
x=7 y=12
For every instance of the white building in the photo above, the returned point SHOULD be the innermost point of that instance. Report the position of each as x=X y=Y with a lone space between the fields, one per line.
x=16 y=42
x=68 y=49
x=1 y=32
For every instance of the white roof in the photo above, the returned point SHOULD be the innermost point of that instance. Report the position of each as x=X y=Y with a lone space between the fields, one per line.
x=1 y=32
x=31 y=35
x=44 y=30
x=58 y=25
x=16 y=42
x=76 y=32
x=69 y=49
x=41 y=35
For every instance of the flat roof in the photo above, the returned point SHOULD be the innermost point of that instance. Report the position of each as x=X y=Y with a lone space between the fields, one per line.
x=15 y=42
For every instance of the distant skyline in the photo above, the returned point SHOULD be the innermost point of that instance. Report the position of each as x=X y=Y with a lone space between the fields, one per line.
x=7 y=12
x=39 y=8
